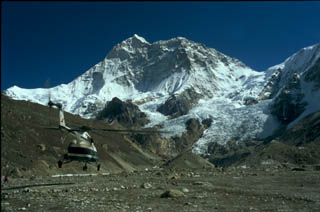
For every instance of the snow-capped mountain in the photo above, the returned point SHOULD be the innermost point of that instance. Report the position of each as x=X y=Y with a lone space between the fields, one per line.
x=241 y=103
x=296 y=85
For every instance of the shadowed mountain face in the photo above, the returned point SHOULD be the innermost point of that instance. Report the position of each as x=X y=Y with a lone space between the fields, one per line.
x=304 y=132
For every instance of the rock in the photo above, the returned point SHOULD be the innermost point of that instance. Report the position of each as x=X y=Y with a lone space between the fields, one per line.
x=16 y=172
x=146 y=185
x=188 y=138
x=4 y=196
x=206 y=123
x=172 y=193
x=93 y=189
x=250 y=101
x=298 y=169
x=185 y=190
x=201 y=183
x=105 y=146
x=42 y=147
x=26 y=190
x=173 y=177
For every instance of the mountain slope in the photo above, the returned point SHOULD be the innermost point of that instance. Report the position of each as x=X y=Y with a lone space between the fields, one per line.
x=298 y=146
x=178 y=80
x=297 y=88
x=31 y=144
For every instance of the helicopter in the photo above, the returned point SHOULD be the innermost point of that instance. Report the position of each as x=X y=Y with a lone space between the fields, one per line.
x=81 y=148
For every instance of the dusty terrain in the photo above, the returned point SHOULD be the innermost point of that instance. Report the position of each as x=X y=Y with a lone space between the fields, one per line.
x=278 y=177
x=232 y=189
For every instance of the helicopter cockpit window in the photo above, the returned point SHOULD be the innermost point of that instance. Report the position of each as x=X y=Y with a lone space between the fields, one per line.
x=86 y=135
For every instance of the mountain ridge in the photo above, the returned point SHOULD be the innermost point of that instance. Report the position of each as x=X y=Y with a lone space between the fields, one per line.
x=241 y=103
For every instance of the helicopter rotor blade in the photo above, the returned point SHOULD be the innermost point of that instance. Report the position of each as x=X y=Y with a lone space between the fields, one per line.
x=51 y=128
x=126 y=130
x=65 y=129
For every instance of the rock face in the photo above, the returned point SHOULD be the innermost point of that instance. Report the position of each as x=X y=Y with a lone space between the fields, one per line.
x=194 y=132
x=289 y=104
x=126 y=113
x=231 y=153
x=179 y=105
x=271 y=87
x=304 y=132
x=173 y=146
x=153 y=142
x=294 y=85
x=313 y=75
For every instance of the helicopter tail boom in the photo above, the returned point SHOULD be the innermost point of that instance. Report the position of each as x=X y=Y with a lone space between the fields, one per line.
x=62 y=122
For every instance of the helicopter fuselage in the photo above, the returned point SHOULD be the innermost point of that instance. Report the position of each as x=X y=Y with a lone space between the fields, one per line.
x=81 y=154
x=81 y=148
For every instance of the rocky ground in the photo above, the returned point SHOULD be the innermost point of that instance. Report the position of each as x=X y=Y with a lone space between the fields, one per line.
x=166 y=189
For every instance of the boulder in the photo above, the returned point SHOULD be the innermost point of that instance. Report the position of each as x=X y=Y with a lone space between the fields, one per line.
x=172 y=193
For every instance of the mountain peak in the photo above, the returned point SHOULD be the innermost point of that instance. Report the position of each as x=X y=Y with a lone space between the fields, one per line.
x=141 y=39
x=128 y=47
x=297 y=61
x=135 y=41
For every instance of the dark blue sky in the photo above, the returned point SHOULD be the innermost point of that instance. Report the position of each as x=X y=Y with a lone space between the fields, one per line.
x=61 y=40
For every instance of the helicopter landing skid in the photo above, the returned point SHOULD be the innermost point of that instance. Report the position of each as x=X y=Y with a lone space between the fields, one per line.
x=60 y=162
x=85 y=167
